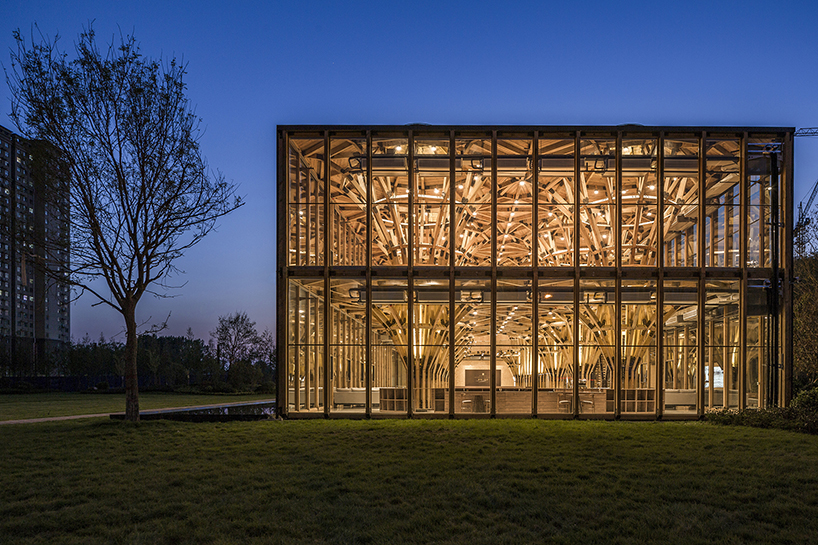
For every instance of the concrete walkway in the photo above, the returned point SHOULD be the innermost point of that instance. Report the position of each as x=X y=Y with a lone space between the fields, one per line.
x=52 y=418
x=78 y=416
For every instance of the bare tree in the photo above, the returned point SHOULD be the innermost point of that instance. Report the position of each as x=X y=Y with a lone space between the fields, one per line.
x=237 y=338
x=139 y=191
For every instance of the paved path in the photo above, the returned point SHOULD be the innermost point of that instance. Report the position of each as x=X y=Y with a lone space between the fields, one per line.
x=78 y=416
x=52 y=418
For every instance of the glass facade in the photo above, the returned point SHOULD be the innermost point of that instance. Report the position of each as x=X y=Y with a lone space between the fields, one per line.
x=559 y=272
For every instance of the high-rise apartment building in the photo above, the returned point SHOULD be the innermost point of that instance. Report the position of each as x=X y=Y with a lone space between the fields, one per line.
x=34 y=305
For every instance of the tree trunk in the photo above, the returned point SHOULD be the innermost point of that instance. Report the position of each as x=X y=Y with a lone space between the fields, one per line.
x=131 y=380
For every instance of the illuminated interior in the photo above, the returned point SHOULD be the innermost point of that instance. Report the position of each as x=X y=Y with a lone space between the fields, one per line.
x=582 y=272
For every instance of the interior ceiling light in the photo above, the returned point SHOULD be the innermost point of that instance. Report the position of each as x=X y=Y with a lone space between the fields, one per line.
x=399 y=148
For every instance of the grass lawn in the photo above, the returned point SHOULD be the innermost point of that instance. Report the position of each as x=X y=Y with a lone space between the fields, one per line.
x=20 y=406
x=418 y=481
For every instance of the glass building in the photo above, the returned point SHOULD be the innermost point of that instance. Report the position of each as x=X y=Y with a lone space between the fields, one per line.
x=549 y=271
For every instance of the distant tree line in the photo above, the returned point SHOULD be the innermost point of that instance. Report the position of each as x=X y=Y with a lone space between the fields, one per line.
x=236 y=358
x=805 y=308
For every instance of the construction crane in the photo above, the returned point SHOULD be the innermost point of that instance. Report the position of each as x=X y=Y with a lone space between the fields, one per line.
x=803 y=210
x=803 y=217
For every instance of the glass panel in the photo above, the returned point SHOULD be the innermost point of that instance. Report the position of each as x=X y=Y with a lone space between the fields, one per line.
x=721 y=343
x=514 y=171
x=473 y=169
x=514 y=346
x=638 y=194
x=597 y=244
x=431 y=346
x=389 y=146
x=432 y=147
x=763 y=190
x=556 y=199
x=640 y=233
x=348 y=193
x=757 y=327
x=597 y=194
x=597 y=345
x=473 y=240
x=761 y=228
x=472 y=346
x=680 y=356
x=722 y=187
x=556 y=170
x=348 y=228
x=514 y=235
x=432 y=166
x=432 y=240
x=680 y=239
x=348 y=170
x=390 y=194
x=390 y=233
x=390 y=181
x=347 y=330
x=306 y=170
x=638 y=346
x=555 y=231
x=759 y=343
x=556 y=351
x=760 y=232
x=680 y=205
x=390 y=348
x=305 y=202
x=305 y=334
x=306 y=234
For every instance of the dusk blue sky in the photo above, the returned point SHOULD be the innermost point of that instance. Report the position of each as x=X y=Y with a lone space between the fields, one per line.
x=253 y=65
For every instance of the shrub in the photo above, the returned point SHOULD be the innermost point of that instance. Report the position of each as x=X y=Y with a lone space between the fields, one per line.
x=806 y=400
x=102 y=385
x=801 y=416
x=267 y=387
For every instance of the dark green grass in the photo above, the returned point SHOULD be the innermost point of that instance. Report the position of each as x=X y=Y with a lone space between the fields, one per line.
x=21 y=406
x=499 y=481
